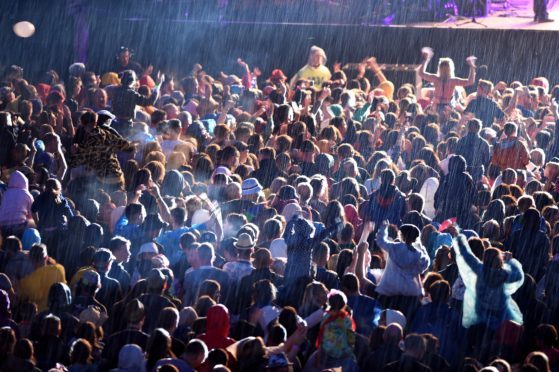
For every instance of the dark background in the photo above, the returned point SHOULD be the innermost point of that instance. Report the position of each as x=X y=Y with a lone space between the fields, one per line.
x=174 y=34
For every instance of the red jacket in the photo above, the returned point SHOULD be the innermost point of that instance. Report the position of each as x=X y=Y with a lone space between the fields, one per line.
x=510 y=153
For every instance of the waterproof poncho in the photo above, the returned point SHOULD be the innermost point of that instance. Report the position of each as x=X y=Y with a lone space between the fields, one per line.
x=487 y=299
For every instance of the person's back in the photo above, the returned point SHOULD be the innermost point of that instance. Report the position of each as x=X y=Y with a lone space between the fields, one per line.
x=194 y=279
x=327 y=277
x=35 y=286
x=387 y=203
x=365 y=312
x=474 y=149
x=385 y=354
x=110 y=291
x=15 y=208
x=532 y=250
x=457 y=182
x=410 y=361
x=154 y=303
x=124 y=101
x=52 y=211
x=134 y=312
x=483 y=107
x=406 y=261
x=510 y=152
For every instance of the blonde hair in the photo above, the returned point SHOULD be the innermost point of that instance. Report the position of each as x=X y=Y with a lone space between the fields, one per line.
x=176 y=160
x=446 y=62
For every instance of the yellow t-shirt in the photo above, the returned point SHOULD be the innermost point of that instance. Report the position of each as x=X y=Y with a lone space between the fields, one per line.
x=35 y=286
x=318 y=75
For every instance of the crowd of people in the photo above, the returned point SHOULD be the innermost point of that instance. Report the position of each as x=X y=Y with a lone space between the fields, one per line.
x=250 y=223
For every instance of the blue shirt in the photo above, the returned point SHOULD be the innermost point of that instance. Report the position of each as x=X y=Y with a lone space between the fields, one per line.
x=171 y=241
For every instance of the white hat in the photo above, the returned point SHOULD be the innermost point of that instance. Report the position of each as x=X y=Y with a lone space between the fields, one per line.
x=245 y=241
x=149 y=247
x=251 y=186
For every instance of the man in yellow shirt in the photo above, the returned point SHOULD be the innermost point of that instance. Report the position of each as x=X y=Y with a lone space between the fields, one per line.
x=315 y=69
x=35 y=286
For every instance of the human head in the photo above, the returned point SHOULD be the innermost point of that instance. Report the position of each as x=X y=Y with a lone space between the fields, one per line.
x=446 y=68
x=510 y=129
x=393 y=334
x=538 y=359
x=38 y=255
x=546 y=336
x=439 y=292
x=134 y=312
x=321 y=254
x=414 y=346
x=120 y=247
x=102 y=260
x=409 y=233
x=131 y=358
x=156 y=281
x=492 y=258
x=317 y=56
x=262 y=258
x=80 y=352
x=350 y=284
x=474 y=126
x=195 y=353
x=206 y=254
x=168 y=319
x=484 y=87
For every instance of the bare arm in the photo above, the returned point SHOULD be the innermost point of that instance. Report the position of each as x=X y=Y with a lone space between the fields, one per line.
x=422 y=72
x=372 y=63
x=471 y=74
x=62 y=165
x=161 y=205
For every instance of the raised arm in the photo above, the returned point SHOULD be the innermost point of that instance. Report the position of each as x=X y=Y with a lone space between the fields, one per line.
x=422 y=72
x=374 y=66
x=247 y=76
x=382 y=239
x=462 y=248
x=471 y=61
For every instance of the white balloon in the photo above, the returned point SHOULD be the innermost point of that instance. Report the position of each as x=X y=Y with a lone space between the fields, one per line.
x=24 y=29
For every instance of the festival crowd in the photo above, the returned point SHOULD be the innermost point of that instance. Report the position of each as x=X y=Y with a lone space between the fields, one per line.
x=328 y=221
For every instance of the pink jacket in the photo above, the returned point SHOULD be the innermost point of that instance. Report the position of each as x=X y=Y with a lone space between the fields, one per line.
x=16 y=201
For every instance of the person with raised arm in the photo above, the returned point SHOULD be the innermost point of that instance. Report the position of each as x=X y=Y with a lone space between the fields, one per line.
x=444 y=81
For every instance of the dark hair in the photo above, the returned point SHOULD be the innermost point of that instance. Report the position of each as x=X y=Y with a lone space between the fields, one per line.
x=88 y=118
x=158 y=347
x=439 y=291
x=546 y=334
x=350 y=283
x=337 y=302
x=80 y=352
